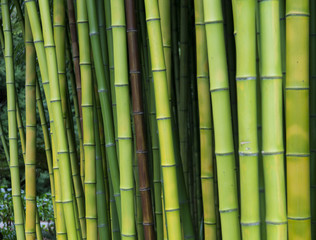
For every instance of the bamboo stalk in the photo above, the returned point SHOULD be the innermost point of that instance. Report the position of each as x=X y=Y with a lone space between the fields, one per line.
x=12 y=125
x=139 y=121
x=245 y=35
x=163 y=120
x=205 y=123
x=272 y=131
x=297 y=120
x=224 y=146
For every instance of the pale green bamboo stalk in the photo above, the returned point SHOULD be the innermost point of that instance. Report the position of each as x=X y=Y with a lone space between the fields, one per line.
x=272 y=129
x=297 y=119
x=163 y=120
x=12 y=125
x=124 y=133
x=205 y=124
x=224 y=146
x=245 y=37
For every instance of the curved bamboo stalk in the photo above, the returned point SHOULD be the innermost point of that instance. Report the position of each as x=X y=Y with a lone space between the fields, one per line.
x=139 y=121
x=272 y=129
x=246 y=77
x=297 y=119
x=167 y=154
x=12 y=124
x=205 y=123
x=224 y=146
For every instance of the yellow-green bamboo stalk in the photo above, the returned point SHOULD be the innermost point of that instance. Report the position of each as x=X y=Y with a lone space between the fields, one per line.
x=87 y=116
x=245 y=36
x=30 y=156
x=297 y=119
x=272 y=130
x=12 y=125
x=124 y=133
x=312 y=78
x=205 y=123
x=163 y=120
x=224 y=146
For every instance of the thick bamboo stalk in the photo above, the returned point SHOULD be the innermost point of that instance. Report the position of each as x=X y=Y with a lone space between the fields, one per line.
x=312 y=77
x=297 y=119
x=163 y=120
x=272 y=129
x=124 y=133
x=224 y=146
x=139 y=121
x=12 y=125
x=30 y=156
x=246 y=77
x=205 y=124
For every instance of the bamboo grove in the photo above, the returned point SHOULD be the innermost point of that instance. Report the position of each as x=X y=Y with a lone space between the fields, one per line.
x=182 y=119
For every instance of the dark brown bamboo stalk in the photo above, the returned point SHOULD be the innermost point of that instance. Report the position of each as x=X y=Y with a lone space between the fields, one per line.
x=75 y=50
x=138 y=112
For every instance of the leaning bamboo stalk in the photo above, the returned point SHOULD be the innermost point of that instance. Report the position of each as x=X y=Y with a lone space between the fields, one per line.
x=272 y=129
x=224 y=146
x=56 y=107
x=205 y=123
x=12 y=125
x=163 y=120
x=30 y=156
x=139 y=121
x=246 y=77
x=297 y=119
x=4 y=144
x=105 y=103
x=124 y=132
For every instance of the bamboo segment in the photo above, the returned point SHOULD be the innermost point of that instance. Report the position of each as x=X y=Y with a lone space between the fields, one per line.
x=205 y=123
x=245 y=35
x=124 y=133
x=224 y=147
x=297 y=120
x=139 y=121
x=163 y=120
x=272 y=131
x=30 y=156
x=12 y=124
x=312 y=78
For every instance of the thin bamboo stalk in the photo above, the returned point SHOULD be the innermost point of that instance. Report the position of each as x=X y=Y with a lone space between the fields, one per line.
x=297 y=119
x=139 y=121
x=205 y=124
x=12 y=125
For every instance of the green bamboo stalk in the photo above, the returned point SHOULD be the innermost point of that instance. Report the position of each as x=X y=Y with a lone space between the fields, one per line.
x=12 y=125
x=4 y=144
x=312 y=78
x=87 y=115
x=30 y=156
x=56 y=107
x=205 y=123
x=163 y=120
x=124 y=133
x=224 y=146
x=105 y=103
x=245 y=36
x=272 y=131
x=297 y=119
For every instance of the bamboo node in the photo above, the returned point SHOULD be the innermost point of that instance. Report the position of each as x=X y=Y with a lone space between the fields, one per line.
x=228 y=210
x=275 y=223
x=250 y=224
